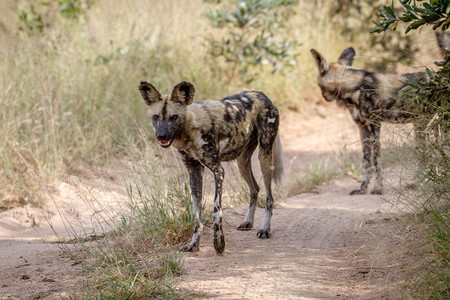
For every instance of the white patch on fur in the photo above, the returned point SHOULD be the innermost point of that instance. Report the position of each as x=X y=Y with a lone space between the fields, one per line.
x=355 y=114
x=266 y=221
x=200 y=142
x=395 y=113
x=250 y=214
x=223 y=144
x=378 y=160
x=271 y=120
x=216 y=200
x=216 y=216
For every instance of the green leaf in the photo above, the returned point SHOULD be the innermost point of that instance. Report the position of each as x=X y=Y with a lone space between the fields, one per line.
x=415 y=25
x=429 y=73
x=438 y=24
x=390 y=11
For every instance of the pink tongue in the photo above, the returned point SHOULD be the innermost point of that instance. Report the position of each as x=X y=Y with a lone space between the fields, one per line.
x=164 y=143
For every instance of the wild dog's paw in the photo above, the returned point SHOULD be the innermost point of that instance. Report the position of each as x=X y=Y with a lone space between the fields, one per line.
x=219 y=242
x=358 y=192
x=245 y=226
x=263 y=234
x=377 y=191
x=191 y=247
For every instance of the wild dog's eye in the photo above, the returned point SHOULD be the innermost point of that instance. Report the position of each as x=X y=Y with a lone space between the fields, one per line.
x=155 y=118
x=173 y=117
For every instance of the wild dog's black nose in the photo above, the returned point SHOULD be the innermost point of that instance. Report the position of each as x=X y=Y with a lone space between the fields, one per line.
x=162 y=136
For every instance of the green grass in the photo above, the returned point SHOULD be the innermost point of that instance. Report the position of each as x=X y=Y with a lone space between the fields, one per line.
x=315 y=174
x=137 y=255
x=322 y=172
x=426 y=203
x=434 y=194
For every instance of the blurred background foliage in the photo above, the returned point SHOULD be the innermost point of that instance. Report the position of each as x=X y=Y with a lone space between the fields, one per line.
x=36 y=16
x=383 y=51
x=253 y=36
x=70 y=68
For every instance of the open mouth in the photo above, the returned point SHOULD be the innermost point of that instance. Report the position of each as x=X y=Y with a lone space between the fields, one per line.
x=165 y=144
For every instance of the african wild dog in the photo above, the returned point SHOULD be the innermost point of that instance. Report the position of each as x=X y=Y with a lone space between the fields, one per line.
x=443 y=40
x=371 y=98
x=210 y=132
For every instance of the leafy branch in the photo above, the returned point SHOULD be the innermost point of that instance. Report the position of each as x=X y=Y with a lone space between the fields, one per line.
x=433 y=12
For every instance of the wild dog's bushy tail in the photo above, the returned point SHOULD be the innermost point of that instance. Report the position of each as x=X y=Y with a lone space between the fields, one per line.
x=277 y=160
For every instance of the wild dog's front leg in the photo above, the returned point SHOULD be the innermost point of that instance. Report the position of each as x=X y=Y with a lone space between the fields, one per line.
x=365 y=134
x=195 y=170
x=375 y=141
x=219 y=238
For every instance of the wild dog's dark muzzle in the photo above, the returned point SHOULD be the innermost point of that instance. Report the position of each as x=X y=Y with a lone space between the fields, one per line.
x=163 y=134
x=328 y=95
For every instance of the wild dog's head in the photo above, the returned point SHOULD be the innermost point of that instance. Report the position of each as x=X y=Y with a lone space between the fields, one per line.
x=168 y=112
x=332 y=76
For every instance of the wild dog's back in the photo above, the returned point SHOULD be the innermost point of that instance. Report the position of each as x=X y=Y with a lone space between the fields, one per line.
x=230 y=122
x=369 y=95
x=254 y=111
x=380 y=97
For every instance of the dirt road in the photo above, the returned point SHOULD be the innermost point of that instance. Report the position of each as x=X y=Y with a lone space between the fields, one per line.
x=324 y=245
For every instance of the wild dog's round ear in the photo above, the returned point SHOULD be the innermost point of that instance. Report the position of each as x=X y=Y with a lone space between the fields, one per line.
x=347 y=57
x=321 y=63
x=183 y=93
x=149 y=93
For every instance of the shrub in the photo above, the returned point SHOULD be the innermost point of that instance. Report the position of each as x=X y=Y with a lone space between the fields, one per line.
x=434 y=155
x=254 y=30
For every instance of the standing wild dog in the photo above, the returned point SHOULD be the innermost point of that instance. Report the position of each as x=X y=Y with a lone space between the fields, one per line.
x=371 y=98
x=210 y=132
x=443 y=40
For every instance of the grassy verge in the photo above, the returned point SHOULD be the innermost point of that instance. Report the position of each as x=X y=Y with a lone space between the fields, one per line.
x=423 y=196
x=135 y=254
x=433 y=216
x=322 y=172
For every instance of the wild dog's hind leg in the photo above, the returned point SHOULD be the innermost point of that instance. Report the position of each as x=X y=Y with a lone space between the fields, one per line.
x=365 y=133
x=195 y=170
x=267 y=132
x=266 y=164
x=245 y=168
x=375 y=141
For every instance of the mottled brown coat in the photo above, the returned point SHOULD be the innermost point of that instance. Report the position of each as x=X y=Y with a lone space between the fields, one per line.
x=210 y=132
x=371 y=98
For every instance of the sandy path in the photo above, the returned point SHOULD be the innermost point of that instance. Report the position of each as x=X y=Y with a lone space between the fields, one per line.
x=324 y=245
x=36 y=270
